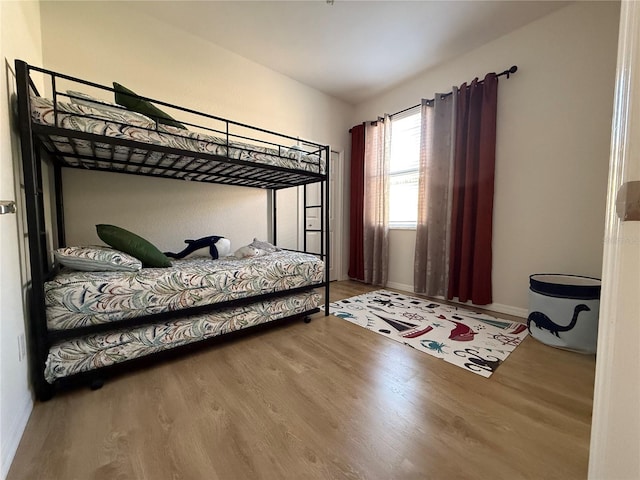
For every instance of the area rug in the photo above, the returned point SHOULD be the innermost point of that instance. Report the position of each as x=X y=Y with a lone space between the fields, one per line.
x=476 y=342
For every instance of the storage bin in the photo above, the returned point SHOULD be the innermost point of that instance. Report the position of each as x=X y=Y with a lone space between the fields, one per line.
x=563 y=311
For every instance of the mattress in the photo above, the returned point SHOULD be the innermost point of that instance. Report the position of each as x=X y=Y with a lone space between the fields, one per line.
x=100 y=350
x=78 y=299
x=131 y=126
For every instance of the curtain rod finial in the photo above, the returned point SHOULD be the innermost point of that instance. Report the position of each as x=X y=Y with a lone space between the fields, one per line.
x=513 y=69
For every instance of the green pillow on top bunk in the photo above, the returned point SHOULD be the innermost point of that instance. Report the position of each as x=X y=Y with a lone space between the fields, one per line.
x=133 y=102
x=134 y=245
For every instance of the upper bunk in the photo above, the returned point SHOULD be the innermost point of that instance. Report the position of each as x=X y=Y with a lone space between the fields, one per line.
x=79 y=128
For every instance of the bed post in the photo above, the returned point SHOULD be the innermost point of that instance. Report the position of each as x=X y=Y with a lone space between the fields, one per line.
x=327 y=230
x=57 y=172
x=274 y=219
x=32 y=171
x=304 y=220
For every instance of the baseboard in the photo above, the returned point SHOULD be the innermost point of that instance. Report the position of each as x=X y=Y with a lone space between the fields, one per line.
x=12 y=440
x=400 y=286
x=508 y=309
x=495 y=307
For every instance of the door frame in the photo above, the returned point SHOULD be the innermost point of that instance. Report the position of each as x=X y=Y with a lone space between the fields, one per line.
x=615 y=428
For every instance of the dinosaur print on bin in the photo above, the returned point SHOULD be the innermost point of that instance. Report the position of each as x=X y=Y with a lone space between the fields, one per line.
x=545 y=323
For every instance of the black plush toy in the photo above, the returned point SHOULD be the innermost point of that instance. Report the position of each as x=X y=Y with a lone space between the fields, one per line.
x=218 y=247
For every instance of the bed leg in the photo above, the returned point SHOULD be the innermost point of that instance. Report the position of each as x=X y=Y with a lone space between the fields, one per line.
x=96 y=384
x=45 y=392
x=307 y=319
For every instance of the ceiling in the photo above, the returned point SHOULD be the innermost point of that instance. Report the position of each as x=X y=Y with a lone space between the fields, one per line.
x=351 y=50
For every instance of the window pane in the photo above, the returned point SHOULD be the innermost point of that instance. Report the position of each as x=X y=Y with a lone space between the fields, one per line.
x=405 y=143
x=403 y=199
x=403 y=178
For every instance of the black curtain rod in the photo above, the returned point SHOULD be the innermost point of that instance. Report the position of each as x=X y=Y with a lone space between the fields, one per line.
x=507 y=72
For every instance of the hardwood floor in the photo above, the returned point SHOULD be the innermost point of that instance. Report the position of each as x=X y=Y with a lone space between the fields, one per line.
x=325 y=400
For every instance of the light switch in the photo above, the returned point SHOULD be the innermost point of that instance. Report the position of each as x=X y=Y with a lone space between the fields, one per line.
x=628 y=201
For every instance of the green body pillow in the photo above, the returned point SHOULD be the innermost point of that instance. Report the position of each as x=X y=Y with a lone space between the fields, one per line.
x=134 y=245
x=133 y=102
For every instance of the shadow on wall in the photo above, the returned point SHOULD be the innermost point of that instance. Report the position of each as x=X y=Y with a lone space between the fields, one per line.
x=21 y=220
x=19 y=191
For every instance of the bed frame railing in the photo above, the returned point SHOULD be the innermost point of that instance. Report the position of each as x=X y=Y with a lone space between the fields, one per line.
x=312 y=153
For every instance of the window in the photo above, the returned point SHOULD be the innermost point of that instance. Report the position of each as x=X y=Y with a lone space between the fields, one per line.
x=403 y=169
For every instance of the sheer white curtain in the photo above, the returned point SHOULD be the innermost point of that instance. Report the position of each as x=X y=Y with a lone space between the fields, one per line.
x=376 y=202
x=433 y=230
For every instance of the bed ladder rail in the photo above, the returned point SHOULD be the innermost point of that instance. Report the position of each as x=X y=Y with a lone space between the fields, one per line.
x=317 y=223
x=314 y=220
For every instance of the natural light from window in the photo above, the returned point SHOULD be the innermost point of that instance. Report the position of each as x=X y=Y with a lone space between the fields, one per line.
x=403 y=170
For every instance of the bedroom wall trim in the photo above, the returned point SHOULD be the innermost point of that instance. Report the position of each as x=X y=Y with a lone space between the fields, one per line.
x=495 y=307
x=506 y=309
x=400 y=286
x=12 y=440
x=335 y=212
x=615 y=427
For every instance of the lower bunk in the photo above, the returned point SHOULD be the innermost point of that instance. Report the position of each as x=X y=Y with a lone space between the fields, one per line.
x=107 y=329
x=90 y=359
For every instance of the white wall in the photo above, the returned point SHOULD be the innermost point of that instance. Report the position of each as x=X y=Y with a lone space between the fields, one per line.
x=166 y=219
x=554 y=124
x=160 y=61
x=19 y=38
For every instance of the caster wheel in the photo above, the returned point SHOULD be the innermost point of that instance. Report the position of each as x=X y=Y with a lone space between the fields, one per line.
x=96 y=384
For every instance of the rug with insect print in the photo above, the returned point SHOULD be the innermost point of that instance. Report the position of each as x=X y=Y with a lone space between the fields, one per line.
x=474 y=341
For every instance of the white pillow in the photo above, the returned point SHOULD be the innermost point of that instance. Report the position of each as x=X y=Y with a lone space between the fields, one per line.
x=266 y=246
x=296 y=152
x=248 y=251
x=96 y=259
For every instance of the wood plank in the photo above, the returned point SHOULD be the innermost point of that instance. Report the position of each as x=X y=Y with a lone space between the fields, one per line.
x=322 y=400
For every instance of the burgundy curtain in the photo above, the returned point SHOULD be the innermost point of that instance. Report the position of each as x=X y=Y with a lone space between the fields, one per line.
x=356 y=257
x=472 y=202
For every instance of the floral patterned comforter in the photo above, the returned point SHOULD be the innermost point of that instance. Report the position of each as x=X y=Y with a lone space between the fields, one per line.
x=78 y=299
x=94 y=351
x=124 y=125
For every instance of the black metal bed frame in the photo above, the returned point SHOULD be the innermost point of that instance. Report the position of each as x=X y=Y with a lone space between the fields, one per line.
x=38 y=149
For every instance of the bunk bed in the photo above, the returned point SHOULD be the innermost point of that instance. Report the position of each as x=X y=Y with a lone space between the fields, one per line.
x=74 y=337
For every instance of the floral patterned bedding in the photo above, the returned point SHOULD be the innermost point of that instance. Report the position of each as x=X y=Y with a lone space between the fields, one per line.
x=130 y=126
x=94 y=351
x=79 y=299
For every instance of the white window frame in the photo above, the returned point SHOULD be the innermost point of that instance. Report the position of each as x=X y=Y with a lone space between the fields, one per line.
x=404 y=224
